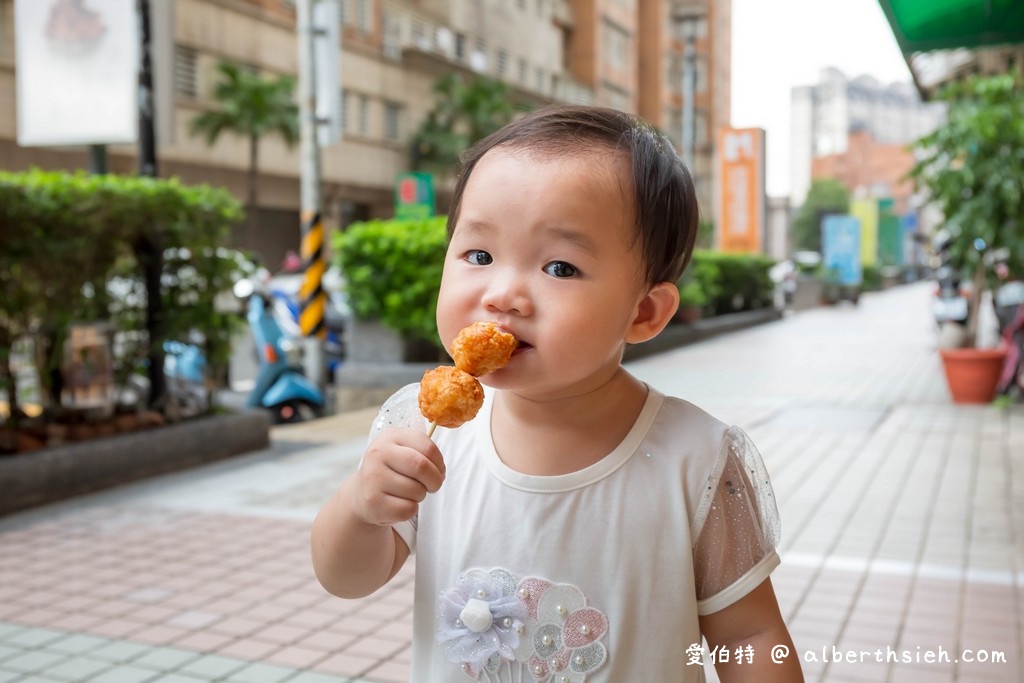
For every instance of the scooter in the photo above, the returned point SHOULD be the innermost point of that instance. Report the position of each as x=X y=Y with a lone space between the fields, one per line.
x=281 y=386
x=1009 y=308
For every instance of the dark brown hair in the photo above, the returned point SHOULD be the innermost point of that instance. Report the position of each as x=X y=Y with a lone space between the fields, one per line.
x=664 y=201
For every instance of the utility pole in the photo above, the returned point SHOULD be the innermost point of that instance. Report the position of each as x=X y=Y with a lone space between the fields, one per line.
x=312 y=298
x=148 y=246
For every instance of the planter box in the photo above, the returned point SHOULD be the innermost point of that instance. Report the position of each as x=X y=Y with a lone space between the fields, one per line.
x=53 y=474
x=973 y=374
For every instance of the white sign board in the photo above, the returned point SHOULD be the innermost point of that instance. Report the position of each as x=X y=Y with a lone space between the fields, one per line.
x=77 y=71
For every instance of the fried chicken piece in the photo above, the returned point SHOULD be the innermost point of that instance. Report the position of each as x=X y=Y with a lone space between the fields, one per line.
x=450 y=397
x=482 y=348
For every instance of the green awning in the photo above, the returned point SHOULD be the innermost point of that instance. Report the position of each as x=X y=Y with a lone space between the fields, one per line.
x=924 y=25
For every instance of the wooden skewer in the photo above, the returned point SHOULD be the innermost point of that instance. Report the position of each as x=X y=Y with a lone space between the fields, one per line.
x=431 y=428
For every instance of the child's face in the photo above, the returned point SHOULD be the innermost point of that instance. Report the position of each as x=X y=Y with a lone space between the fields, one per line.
x=545 y=246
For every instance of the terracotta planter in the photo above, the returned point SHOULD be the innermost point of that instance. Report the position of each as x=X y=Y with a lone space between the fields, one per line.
x=972 y=374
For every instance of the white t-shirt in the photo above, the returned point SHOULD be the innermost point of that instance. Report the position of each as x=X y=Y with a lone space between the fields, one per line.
x=597 y=575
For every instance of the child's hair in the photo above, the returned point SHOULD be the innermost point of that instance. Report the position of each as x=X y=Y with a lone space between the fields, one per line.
x=664 y=201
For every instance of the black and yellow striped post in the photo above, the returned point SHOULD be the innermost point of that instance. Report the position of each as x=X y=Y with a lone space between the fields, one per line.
x=312 y=298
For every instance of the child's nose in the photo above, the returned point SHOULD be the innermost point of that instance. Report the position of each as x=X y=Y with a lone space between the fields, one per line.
x=508 y=293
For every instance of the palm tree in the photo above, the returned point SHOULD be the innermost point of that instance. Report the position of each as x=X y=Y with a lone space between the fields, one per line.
x=463 y=114
x=251 y=106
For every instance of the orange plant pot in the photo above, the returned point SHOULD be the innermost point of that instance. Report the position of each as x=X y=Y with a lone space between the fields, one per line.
x=972 y=374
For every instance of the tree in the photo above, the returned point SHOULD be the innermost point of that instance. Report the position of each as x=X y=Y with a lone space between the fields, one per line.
x=463 y=114
x=972 y=168
x=251 y=106
x=825 y=196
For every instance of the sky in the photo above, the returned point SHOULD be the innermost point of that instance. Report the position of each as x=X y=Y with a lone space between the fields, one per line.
x=779 y=44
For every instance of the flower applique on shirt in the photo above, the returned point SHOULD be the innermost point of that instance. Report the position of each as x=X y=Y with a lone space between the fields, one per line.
x=496 y=627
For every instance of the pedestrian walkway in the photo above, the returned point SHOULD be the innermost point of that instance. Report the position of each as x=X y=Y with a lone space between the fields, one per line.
x=902 y=518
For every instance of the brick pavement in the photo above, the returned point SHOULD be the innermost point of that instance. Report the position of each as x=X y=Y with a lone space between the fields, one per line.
x=902 y=519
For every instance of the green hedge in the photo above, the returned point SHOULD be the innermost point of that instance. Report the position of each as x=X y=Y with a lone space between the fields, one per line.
x=64 y=236
x=393 y=273
x=730 y=282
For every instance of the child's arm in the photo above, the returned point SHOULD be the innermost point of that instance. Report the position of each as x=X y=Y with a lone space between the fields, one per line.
x=753 y=620
x=355 y=550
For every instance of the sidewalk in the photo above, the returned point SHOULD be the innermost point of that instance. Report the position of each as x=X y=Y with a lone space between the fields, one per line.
x=902 y=515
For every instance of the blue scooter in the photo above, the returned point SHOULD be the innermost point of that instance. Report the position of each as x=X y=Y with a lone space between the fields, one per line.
x=281 y=386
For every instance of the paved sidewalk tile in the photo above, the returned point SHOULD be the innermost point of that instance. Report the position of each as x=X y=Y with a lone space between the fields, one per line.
x=902 y=545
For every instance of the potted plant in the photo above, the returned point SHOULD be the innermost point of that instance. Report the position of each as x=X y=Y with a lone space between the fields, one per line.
x=972 y=168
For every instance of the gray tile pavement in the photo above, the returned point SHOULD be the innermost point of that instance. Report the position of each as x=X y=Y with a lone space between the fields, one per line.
x=902 y=529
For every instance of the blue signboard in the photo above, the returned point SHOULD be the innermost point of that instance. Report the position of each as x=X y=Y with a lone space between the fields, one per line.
x=840 y=242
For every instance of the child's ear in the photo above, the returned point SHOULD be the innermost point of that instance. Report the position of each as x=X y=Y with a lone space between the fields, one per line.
x=653 y=312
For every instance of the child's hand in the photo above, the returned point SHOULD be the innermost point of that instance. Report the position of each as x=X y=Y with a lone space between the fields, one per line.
x=400 y=467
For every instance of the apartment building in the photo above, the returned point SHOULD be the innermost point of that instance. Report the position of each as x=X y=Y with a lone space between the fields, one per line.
x=621 y=53
x=823 y=116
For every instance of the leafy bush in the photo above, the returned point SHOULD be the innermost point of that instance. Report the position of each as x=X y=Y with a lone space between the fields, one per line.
x=64 y=236
x=731 y=282
x=393 y=272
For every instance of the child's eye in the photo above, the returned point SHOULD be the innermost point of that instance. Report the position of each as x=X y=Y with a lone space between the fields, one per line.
x=561 y=269
x=478 y=257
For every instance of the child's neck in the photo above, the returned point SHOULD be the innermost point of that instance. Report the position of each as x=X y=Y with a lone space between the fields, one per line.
x=548 y=438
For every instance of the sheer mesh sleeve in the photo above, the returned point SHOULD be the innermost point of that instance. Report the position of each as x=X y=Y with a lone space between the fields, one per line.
x=736 y=528
x=401 y=410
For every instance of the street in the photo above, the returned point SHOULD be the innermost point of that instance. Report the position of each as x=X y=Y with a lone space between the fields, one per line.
x=902 y=527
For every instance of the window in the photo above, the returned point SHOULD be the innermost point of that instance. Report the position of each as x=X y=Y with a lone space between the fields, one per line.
x=346 y=111
x=185 y=82
x=616 y=42
x=522 y=70
x=364 y=16
x=392 y=121
x=541 y=80
x=391 y=36
x=500 y=63
x=460 y=46
x=419 y=35
x=364 y=115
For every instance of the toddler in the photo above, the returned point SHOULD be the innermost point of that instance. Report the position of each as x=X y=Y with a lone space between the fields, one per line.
x=584 y=526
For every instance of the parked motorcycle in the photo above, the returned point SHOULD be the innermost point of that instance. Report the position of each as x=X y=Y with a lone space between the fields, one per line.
x=284 y=297
x=281 y=386
x=950 y=300
x=1008 y=301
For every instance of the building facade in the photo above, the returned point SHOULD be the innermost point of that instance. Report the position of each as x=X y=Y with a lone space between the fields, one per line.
x=823 y=116
x=868 y=168
x=620 y=53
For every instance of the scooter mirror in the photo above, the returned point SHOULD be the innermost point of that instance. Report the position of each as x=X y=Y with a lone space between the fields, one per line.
x=243 y=288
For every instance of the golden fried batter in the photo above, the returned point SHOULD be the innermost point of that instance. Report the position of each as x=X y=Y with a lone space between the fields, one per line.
x=450 y=397
x=482 y=348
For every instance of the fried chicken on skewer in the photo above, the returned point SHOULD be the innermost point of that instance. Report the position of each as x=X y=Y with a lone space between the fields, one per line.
x=451 y=396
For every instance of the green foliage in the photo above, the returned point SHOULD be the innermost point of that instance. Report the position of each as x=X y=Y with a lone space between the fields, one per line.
x=393 y=272
x=691 y=294
x=250 y=106
x=825 y=195
x=871 y=278
x=972 y=168
x=63 y=237
x=730 y=282
x=464 y=112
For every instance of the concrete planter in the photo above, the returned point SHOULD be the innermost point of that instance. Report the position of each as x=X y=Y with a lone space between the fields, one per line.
x=53 y=474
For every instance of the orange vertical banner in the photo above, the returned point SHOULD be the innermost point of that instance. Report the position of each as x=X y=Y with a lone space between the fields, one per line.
x=741 y=190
